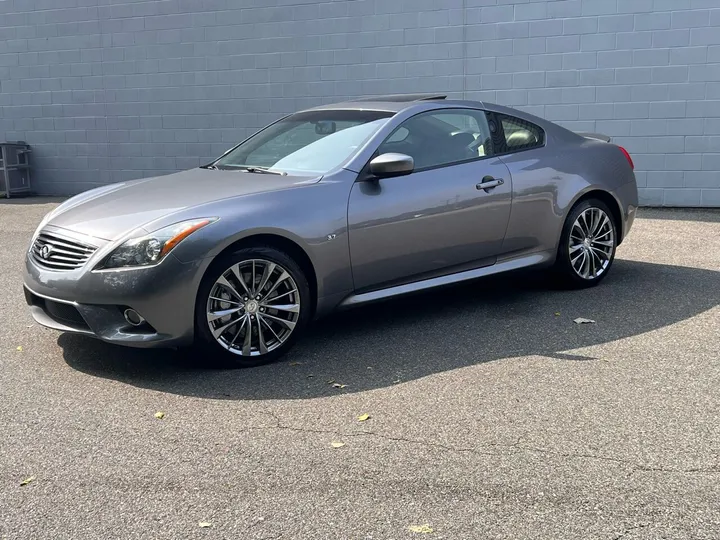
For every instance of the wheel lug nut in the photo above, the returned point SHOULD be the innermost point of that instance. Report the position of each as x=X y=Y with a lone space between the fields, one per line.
x=257 y=297
x=262 y=309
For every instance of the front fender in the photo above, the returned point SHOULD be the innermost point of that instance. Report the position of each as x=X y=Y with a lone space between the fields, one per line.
x=291 y=214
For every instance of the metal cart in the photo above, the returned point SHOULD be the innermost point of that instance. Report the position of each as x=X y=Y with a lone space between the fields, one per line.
x=14 y=168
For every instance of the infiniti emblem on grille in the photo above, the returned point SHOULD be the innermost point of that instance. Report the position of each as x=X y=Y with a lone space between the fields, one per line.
x=46 y=251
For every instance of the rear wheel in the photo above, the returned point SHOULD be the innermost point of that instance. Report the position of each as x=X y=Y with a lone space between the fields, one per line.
x=587 y=245
x=252 y=306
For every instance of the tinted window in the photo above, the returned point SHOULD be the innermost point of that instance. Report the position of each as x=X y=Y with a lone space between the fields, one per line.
x=520 y=134
x=443 y=137
x=398 y=135
x=460 y=121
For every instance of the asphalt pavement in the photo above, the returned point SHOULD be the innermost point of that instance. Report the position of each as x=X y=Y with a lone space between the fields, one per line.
x=492 y=415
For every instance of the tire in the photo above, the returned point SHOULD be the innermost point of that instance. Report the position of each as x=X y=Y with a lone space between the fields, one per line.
x=225 y=309
x=582 y=263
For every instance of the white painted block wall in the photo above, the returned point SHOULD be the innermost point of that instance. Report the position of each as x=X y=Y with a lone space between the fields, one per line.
x=107 y=90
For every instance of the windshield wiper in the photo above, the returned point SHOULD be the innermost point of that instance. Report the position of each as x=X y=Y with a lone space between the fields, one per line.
x=245 y=168
x=262 y=170
x=228 y=168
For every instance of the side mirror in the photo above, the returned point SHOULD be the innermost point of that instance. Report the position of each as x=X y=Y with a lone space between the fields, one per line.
x=386 y=165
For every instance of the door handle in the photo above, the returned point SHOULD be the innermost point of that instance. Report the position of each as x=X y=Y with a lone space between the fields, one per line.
x=489 y=182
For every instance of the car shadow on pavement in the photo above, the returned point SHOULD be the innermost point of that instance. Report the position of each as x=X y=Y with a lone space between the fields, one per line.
x=403 y=340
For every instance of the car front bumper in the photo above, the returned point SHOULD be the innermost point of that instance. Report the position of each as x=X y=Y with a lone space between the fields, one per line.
x=92 y=303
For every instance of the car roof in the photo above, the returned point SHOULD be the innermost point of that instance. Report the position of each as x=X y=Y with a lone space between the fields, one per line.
x=395 y=103
x=392 y=102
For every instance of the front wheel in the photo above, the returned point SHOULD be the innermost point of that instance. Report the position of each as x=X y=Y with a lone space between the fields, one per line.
x=252 y=306
x=587 y=245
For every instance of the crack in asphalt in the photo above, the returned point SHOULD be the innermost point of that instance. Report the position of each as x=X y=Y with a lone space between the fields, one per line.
x=636 y=467
x=280 y=425
x=460 y=450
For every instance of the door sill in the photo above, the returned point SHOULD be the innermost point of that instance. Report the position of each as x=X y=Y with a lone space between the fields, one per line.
x=532 y=259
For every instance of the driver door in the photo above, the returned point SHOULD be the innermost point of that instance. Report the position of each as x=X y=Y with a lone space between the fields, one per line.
x=438 y=219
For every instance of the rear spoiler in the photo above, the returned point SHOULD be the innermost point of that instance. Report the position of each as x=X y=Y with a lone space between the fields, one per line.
x=606 y=139
x=596 y=136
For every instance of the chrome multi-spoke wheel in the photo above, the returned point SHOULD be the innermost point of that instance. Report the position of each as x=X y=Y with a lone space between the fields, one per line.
x=587 y=245
x=253 y=307
x=592 y=243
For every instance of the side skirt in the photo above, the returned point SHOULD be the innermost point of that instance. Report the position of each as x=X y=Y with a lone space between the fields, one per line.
x=525 y=261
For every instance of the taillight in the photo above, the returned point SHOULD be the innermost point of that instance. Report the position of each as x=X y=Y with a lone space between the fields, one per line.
x=627 y=156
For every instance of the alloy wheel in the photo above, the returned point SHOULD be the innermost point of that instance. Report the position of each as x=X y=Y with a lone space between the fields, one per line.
x=591 y=243
x=253 y=307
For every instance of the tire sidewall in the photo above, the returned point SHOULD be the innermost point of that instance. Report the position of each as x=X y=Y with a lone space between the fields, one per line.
x=563 y=264
x=203 y=335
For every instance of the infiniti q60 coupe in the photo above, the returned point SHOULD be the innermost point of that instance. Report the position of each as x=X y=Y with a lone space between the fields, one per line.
x=329 y=208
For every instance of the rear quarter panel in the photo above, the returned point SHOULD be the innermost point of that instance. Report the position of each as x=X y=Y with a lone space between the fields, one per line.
x=548 y=181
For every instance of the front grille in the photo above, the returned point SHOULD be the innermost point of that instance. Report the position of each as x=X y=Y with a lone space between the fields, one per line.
x=60 y=253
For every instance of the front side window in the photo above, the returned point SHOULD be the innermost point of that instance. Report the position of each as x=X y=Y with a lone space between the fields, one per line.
x=313 y=142
x=520 y=134
x=441 y=137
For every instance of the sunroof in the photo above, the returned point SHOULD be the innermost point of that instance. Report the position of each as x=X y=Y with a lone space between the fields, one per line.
x=403 y=97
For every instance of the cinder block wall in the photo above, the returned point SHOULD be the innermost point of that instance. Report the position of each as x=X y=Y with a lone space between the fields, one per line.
x=107 y=90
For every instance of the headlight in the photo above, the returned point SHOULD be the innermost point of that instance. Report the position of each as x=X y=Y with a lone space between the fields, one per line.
x=149 y=249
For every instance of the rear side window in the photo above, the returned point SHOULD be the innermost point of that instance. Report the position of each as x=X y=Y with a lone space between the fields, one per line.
x=519 y=134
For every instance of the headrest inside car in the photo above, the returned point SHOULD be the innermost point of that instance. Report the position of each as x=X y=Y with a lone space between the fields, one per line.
x=521 y=138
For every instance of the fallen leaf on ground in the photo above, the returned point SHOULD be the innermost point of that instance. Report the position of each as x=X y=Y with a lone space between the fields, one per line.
x=337 y=444
x=204 y=524
x=422 y=529
x=19 y=349
x=296 y=363
x=557 y=313
x=396 y=381
x=27 y=481
x=159 y=415
x=363 y=417
x=338 y=385
x=581 y=320
x=331 y=381
x=310 y=376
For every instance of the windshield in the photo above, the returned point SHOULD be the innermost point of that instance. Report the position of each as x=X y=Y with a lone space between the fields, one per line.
x=313 y=142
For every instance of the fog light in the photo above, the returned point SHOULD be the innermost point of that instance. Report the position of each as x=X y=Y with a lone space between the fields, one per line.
x=133 y=317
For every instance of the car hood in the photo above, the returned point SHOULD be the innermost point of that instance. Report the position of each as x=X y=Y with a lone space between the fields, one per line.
x=111 y=211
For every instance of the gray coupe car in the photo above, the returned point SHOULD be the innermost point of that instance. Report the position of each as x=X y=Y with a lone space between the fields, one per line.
x=329 y=208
